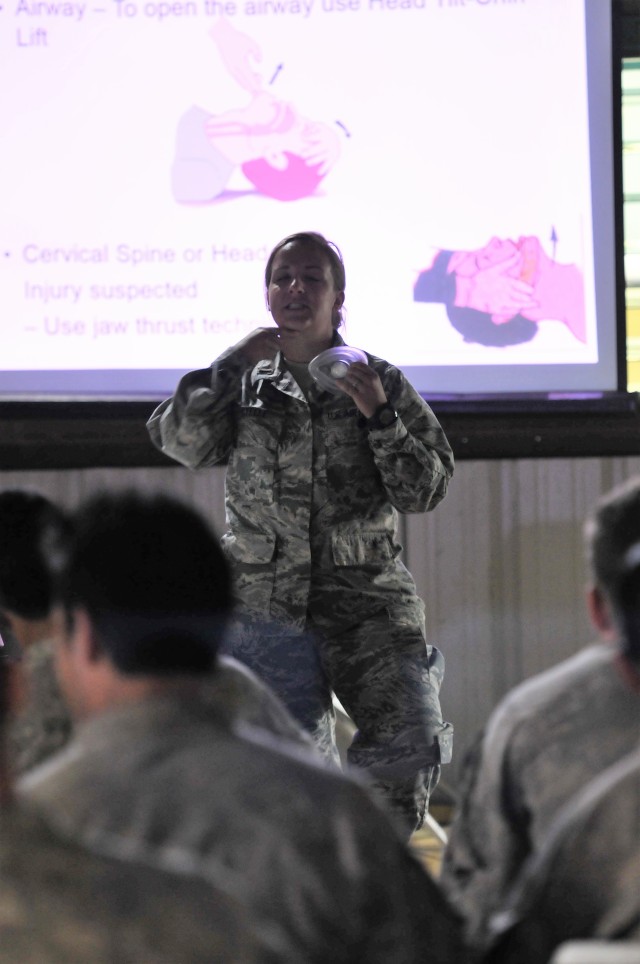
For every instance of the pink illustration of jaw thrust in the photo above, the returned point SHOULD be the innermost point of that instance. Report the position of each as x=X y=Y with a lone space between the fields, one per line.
x=282 y=153
x=497 y=294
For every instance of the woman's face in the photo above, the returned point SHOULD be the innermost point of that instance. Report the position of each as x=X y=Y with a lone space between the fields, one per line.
x=303 y=299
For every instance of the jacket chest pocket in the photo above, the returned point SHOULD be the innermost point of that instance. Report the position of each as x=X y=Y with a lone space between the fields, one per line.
x=257 y=426
x=349 y=459
x=252 y=465
x=343 y=435
x=250 y=477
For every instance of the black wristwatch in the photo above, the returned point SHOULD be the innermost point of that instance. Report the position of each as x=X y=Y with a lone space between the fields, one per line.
x=384 y=416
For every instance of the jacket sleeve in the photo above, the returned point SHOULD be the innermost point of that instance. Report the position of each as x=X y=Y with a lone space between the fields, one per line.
x=413 y=456
x=196 y=427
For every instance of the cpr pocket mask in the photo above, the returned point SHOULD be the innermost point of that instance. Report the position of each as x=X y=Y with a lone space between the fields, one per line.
x=331 y=365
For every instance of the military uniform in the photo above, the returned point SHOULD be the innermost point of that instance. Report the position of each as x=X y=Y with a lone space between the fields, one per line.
x=241 y=698
x=43 y=726
x=585 y=882
x=62 y=904
x=312 y=501
x=547 y=739
x=309 y=857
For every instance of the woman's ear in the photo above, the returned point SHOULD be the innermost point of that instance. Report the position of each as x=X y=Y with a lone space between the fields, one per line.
x=337 y=305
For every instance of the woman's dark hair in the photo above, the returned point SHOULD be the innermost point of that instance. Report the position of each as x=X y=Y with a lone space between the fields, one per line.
x=152 y=577
x=330 y=250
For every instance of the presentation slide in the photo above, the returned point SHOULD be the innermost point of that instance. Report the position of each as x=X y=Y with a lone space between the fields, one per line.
x=459 y=152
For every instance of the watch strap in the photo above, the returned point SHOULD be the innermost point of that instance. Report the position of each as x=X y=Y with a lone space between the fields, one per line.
x=384 y=416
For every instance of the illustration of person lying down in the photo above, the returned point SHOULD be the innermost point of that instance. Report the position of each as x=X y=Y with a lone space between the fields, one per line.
x=282 y=153
x=497 y=294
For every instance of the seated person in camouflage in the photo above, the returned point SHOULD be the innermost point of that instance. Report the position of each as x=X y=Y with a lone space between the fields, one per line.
x=550 y=736
x=41 y=725
x=143 y=596
x=30 y=526
x=584 y=883
x=314 y=485
x=61 y=902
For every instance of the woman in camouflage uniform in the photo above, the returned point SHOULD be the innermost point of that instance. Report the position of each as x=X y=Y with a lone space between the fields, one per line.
x=314 y=484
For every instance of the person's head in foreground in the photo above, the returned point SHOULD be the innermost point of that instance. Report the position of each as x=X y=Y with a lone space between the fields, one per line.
x=144 y=594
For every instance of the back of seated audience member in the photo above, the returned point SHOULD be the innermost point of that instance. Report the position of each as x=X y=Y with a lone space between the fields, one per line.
x=28 y=521
x=584 y=884
x=31 y=527
x=549 y=737
x=63 y=903
x=144 y=596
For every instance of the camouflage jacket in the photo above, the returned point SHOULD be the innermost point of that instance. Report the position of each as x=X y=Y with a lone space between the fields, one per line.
x=43 y=724
x=312 y=493
x=585 y=882
x=310 y=859
x=545 y=741
x=63 y=904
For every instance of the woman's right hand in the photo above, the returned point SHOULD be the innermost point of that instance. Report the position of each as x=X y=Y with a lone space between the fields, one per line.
x=260 y=343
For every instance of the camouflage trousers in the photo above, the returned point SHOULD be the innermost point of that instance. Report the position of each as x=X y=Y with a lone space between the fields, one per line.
x=388 y=681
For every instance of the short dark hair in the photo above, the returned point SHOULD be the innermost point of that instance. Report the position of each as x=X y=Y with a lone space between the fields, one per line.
x=30 y=527
x=612 y=535
x=151 y=575
x=330 y=250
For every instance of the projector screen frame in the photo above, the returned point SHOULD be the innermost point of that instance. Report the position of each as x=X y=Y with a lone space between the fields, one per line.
x=79 y=431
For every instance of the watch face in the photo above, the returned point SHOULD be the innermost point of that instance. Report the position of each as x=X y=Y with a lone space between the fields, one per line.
x=387 y=415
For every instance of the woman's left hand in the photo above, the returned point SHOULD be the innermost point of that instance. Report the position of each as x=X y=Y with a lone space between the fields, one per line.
x=363 y=385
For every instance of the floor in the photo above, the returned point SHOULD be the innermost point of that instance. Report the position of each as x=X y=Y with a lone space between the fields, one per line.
x=429 y=842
